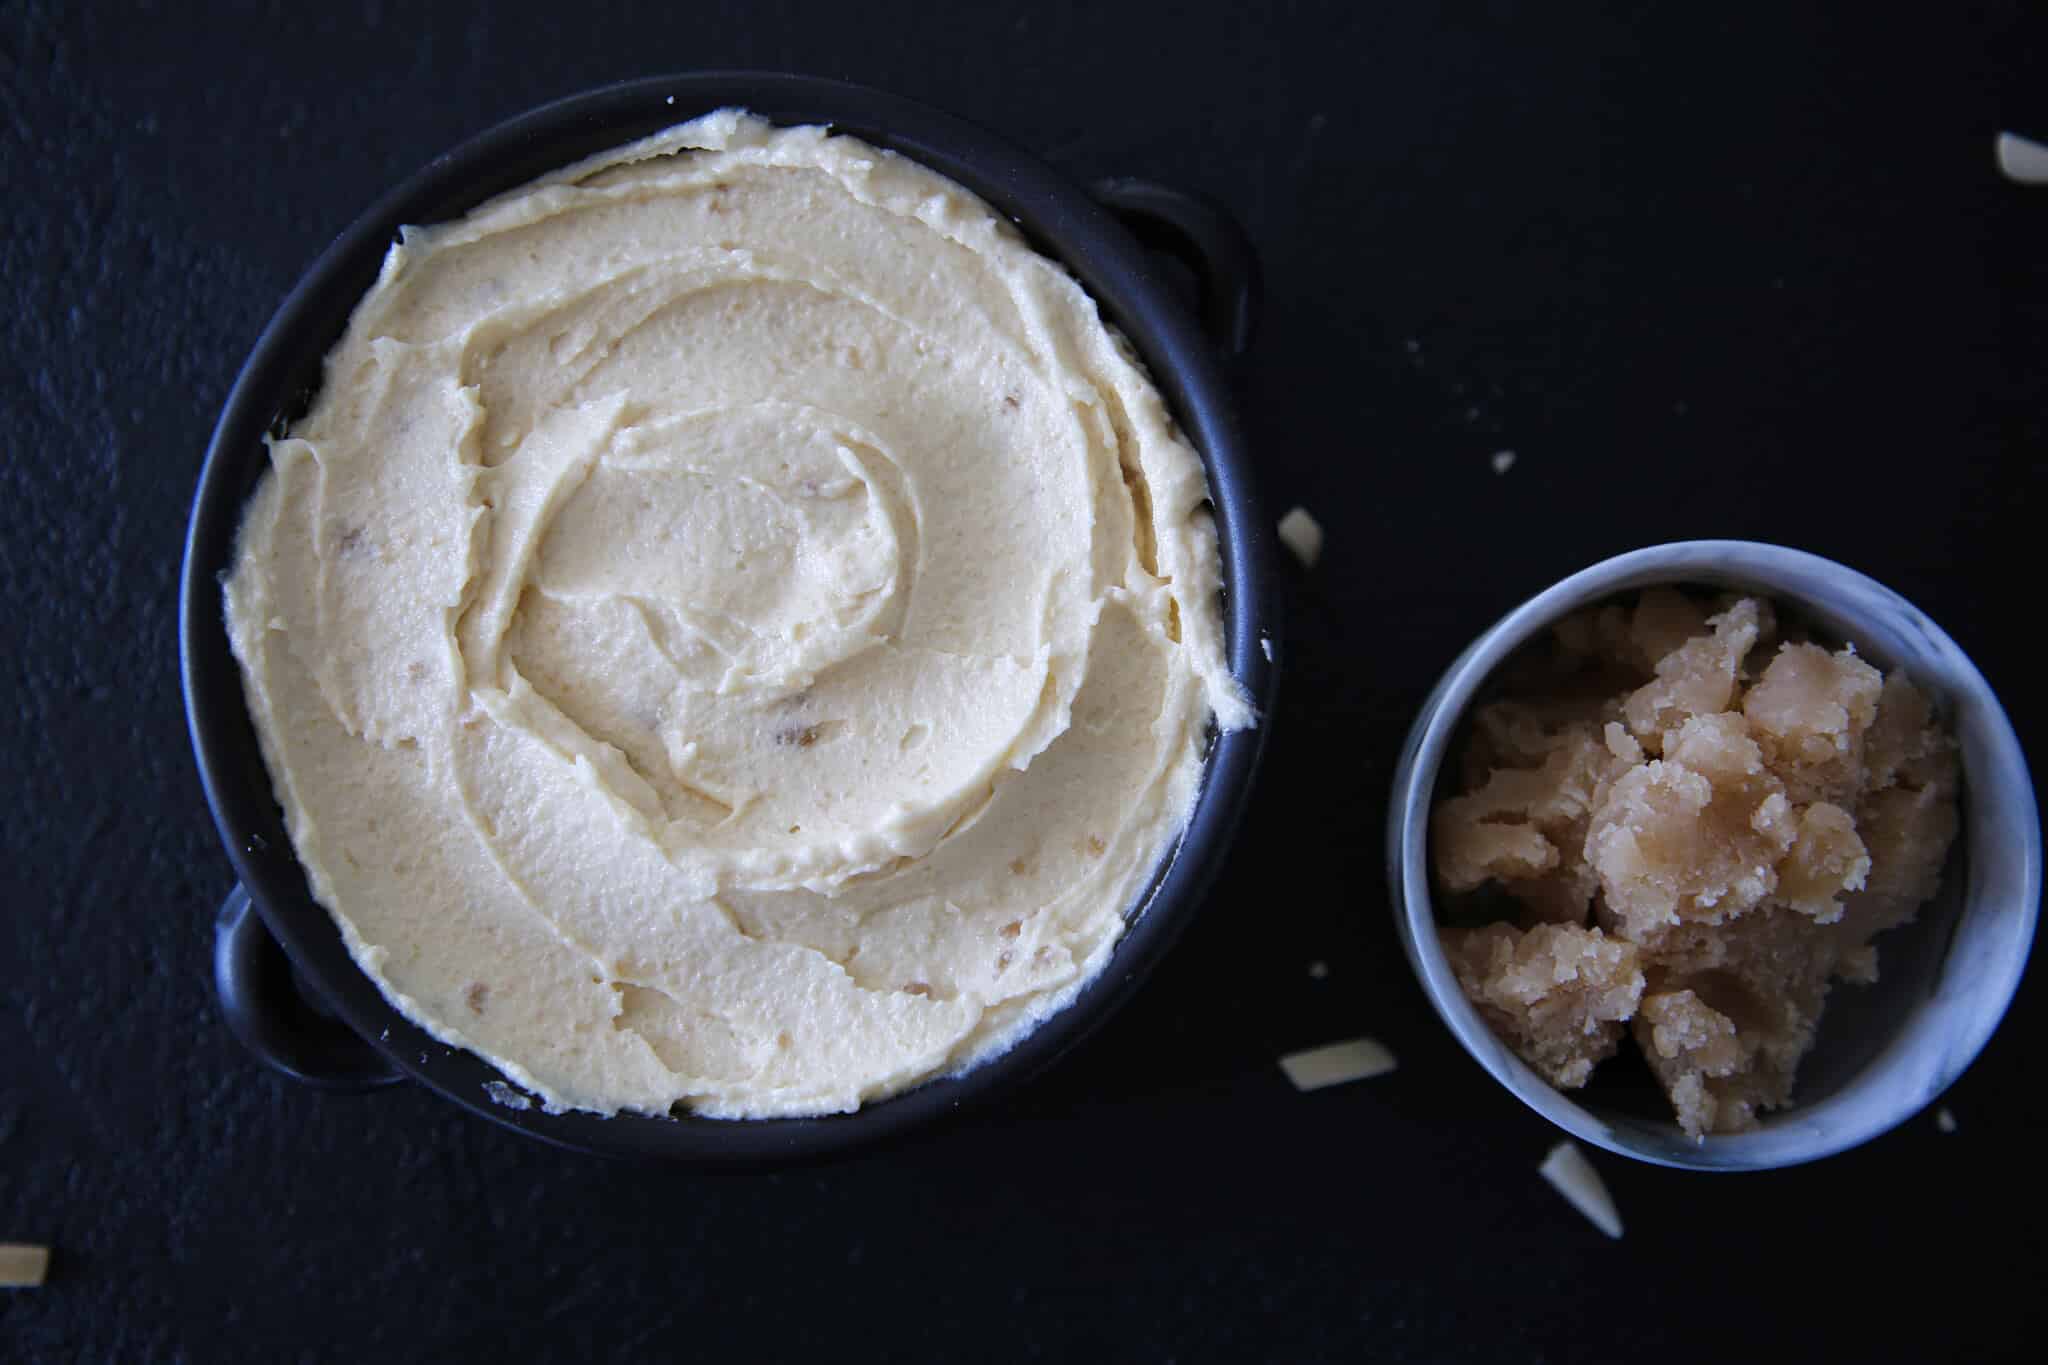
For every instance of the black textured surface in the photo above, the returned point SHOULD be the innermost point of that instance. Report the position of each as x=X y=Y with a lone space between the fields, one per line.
x=1694 y=270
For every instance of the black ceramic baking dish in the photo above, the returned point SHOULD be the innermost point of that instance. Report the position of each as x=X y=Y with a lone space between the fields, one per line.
x=309 y=1010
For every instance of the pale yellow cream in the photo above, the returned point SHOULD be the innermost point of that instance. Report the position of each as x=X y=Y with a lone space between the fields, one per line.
x=735 y=631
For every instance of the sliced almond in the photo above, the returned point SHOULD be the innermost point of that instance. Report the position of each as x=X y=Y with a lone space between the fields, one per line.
x=23 y=1266
x=1572 y=1176
x=1353 y=1059
x=1302 y=534
x=2022 y=159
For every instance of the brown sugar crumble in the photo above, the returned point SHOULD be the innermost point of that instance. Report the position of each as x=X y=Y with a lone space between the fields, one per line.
x=1701 y=819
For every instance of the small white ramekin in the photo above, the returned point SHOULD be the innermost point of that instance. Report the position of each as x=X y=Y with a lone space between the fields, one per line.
x=1885 y=1051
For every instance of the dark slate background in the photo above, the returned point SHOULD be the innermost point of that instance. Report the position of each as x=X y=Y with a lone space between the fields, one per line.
x=1706 y=275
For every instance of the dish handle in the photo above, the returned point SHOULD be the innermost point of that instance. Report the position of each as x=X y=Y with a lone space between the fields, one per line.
x=276 y=1018
x=1202 y=235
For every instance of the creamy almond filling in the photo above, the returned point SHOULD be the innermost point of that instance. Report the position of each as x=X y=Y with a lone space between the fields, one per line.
x=735 y=630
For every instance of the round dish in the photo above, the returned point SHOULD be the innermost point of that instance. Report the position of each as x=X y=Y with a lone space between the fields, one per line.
x=1065 y=224
x=1884 y=1051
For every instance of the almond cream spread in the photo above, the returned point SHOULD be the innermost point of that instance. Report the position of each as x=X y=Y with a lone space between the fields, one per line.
x=735 y=633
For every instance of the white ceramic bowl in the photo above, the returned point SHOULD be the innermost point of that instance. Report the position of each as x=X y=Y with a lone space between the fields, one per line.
x=1884 y=1051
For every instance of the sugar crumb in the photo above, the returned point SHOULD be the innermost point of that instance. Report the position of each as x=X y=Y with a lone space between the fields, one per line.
x=504 y=1094
x=1944 y=1120
x=1503 y=461
x=1318 y=969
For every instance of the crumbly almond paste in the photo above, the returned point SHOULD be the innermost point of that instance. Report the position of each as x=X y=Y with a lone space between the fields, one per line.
x=735 y=631
x=1700 y=822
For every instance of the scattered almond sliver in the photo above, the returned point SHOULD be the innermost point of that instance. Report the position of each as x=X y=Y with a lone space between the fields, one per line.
x=1354 y=1059
x=21 y=1266
x=1302 y=534
x=2022 y=159
x=1572 y=1176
